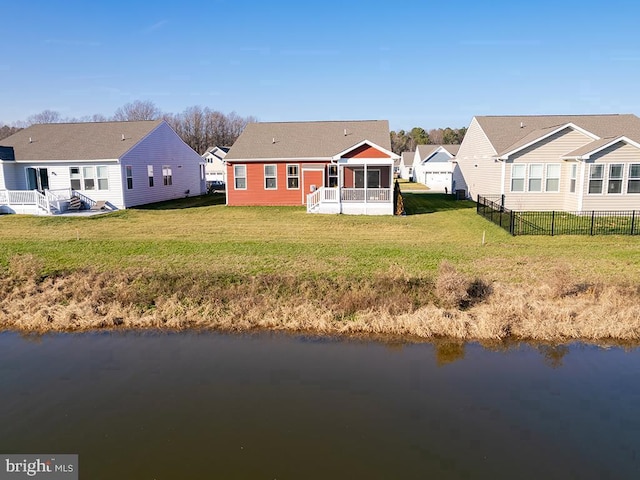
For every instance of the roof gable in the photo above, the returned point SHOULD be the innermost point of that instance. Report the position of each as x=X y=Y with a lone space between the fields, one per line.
x=505 y=133
x=425 y=152
x=365 y=149
x=594 y=147
x=78 y=141
x=540 y=135
x=307 y=140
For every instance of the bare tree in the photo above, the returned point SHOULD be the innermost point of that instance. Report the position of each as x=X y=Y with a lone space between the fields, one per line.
x=7 y=131
x=138 y=110
x=46 y=116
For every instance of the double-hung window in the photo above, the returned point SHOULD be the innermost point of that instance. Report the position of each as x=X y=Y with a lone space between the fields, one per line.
x=89 y=176
x=129 y=171
x=270 y=179
x=103 y=177
x=167 y=175
x=76 y=179
x=552 y=180
x=535 y=177
x=293 y=177
x=596 y=175
x=332 y=176
x=240 y=177
x=518 y=172
x=573 y=177
x=150 y=174
x=633 y=185
x=615 y=178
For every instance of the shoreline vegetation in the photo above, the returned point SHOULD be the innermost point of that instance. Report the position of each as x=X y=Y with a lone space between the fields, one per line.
x=211 y=267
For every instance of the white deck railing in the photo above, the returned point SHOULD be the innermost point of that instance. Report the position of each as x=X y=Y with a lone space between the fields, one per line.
x=363 y=195
x=24 y=197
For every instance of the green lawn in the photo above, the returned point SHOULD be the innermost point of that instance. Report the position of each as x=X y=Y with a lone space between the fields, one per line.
x=201 y=234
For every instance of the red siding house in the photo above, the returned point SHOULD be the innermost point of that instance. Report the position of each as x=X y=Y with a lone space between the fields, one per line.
x=331 y=167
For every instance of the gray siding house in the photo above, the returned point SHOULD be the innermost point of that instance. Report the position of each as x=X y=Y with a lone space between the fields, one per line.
x=115 y=164
x=554 y=162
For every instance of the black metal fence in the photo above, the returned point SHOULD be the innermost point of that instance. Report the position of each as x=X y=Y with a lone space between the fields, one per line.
x=558 y=223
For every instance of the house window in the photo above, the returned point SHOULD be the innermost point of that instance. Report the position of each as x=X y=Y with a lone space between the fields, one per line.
x=167 y=175
x=535 y=177
x=552 y=181
x=615 y=178
x=240 y=177
x=596 y=173
x=76 y=180
x=88 y=174
x=574 y=175
x=332 y=176
x=150 y=174
x=517 y=177
x=293 y=176
x=129 y=170
x=103 y=178
x=633 y=186
x=270 y=180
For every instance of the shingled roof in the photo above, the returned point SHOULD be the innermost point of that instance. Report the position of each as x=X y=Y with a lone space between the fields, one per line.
x=78 y=141
x=313 y=140
x=508 y=133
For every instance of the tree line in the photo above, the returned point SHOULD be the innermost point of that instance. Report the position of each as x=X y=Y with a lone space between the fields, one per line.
x=203 y=127
x=199 y=127
x=402 y=141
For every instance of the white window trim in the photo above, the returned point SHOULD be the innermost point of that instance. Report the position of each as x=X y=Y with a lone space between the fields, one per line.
x=293 y=176
x=151 y=182
x=523 y=178
x=602 y=178
x=275 y=177
x=630 y=178
x=573 y=177
x=546 y=177
x=128 y=171
x=167 y=175
x=621 y=178
x=235 y=177
x=541 y=177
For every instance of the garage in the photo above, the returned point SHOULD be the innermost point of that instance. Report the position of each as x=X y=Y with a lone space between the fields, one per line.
x=438 y=181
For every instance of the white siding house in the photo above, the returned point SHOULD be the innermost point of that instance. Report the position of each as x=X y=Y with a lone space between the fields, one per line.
x=554 y=162
x=115 y=164
x=435 y=167
x=215 y=168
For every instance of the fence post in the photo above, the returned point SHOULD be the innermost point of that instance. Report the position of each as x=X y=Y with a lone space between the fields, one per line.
x=512 y=223
x=502 y=202
x=593 y=216
x=553 y=221
x=633 y=220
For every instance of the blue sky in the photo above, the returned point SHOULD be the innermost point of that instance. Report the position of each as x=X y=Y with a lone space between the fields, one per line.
x=419 y=63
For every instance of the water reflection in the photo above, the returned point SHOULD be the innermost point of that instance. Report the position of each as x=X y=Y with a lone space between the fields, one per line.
x=205 y=405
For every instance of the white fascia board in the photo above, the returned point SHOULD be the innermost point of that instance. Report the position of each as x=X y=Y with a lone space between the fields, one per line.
x=587 y=155
x=87 y=160
x=547 y=135
x=438 y=150
x=365 y=161
x=231 y=161
x=371 y=144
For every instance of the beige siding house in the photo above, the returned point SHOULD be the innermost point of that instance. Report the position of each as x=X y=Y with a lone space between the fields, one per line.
x=554 y=162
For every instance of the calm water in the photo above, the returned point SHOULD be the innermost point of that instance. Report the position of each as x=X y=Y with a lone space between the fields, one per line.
x=190 y=406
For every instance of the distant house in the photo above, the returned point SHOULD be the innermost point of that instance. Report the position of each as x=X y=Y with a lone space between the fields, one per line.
x=331 y=167
x=554 y=162
x=405 y=166
x=45 y=167
x=215 y=169
x=435 y=167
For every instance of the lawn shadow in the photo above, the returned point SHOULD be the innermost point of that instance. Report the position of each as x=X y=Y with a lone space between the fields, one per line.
x=420 y=203
x=187 y=202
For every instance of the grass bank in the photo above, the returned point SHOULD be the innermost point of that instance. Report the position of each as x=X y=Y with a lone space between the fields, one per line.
x=200 y=264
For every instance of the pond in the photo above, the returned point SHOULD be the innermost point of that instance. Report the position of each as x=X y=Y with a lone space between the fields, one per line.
x=209 y=405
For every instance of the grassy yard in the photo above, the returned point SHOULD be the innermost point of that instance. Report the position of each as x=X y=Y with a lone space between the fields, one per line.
x=200 y=238
x=202 y=234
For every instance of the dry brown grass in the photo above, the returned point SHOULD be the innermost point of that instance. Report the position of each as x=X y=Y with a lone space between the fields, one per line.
x=559 y=308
